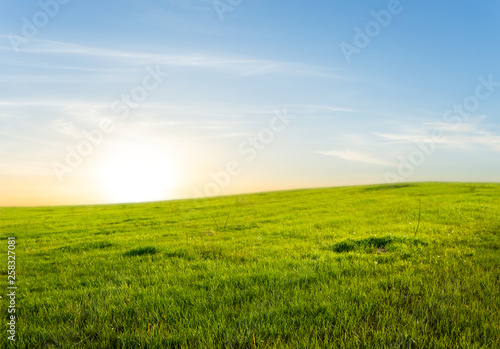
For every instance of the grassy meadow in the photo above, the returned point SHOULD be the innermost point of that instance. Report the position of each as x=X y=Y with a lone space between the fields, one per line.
x=323 y=268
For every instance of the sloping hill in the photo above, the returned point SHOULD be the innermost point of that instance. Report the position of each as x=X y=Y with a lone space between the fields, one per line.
x=338 y=267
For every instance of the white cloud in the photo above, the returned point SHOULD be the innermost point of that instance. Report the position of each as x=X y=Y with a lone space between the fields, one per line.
x=239 y=66
x=464 y=135
x=356 y=157
x=65 y=127
x=406 y=138
x=29 y=139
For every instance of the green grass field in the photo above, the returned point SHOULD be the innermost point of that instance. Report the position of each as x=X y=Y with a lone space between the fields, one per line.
x=323 y=268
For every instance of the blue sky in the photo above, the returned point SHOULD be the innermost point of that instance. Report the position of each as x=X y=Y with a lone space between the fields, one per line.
x=225 y=71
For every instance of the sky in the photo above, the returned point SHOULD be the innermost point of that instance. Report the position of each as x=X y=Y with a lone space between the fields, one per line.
x=130 y=101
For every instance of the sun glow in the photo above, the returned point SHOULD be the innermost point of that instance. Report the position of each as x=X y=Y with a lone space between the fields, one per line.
x=138 y=175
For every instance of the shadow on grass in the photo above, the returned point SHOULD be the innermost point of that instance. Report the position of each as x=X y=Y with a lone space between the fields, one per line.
x=141 y=251
x=180 y=253
x=86 y=246
x=389 y=186
x=349 y=245
x=209 y=252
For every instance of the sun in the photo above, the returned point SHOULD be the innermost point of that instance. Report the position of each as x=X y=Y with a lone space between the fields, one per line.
x=137 y=175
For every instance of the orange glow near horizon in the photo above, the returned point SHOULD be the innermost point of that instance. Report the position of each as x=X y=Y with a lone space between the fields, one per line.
x=26 y=191
x=131 y=178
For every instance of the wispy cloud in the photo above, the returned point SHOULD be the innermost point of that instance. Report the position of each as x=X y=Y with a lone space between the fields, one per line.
x=395 y=138
x=33 y=102
x=29 y=139
x=64 y=127
x=7 y=114
x=355 y=156
x=464 y=135
x=239 y=66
